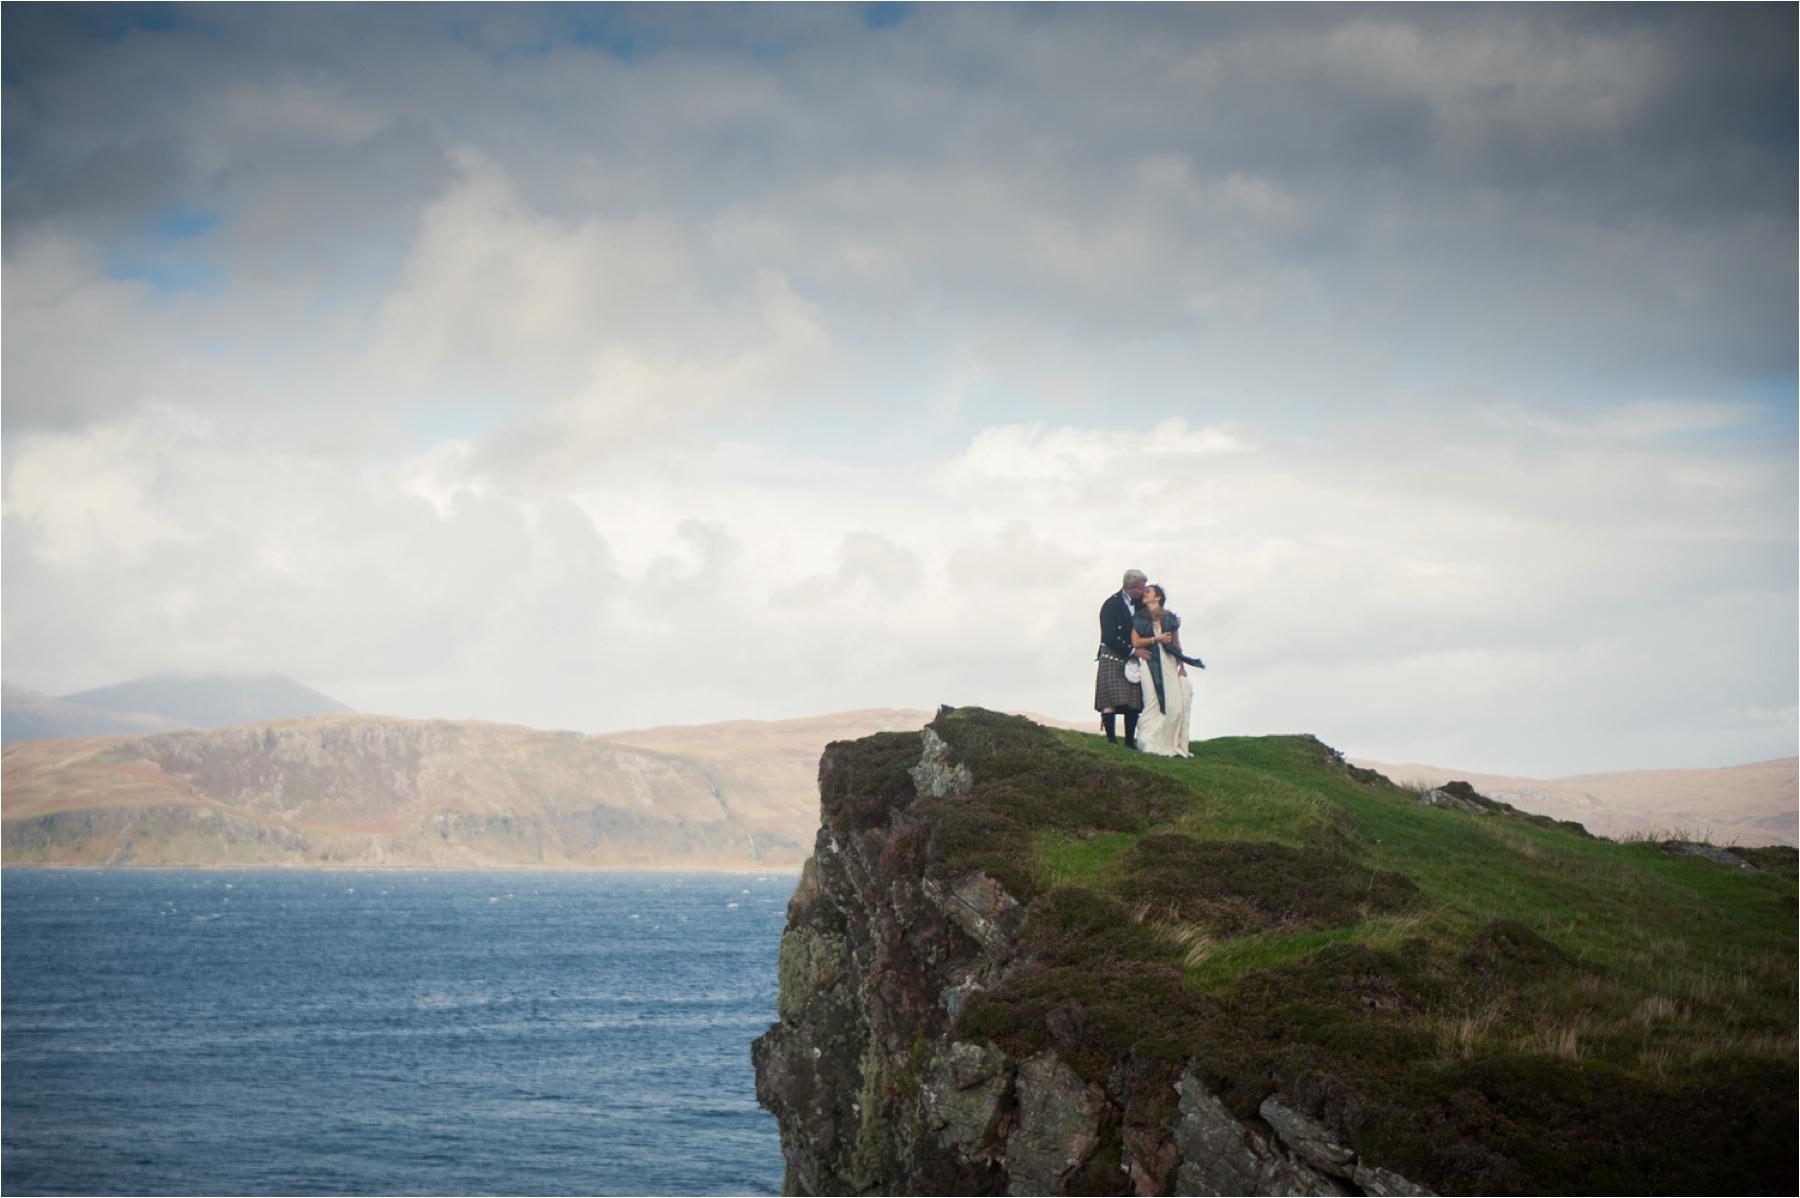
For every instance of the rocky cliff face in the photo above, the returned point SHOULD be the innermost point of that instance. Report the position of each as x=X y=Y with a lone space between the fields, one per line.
x=880 y=1087
x=1022 y=962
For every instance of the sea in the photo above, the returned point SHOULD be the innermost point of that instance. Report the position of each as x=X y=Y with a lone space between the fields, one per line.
x=301 y=1032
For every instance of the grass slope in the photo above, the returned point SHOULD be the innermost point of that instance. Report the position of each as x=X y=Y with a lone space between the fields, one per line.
x=1485 y=1003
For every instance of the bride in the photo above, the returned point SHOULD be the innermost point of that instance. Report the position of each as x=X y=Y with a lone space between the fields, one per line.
x=1168 y=692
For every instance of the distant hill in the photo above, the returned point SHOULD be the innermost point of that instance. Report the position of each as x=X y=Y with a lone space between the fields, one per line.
x=212 y=700
x=368 y=790
x=1740 y=804
x=771 y=766
x=33 y=715
x=357 y=790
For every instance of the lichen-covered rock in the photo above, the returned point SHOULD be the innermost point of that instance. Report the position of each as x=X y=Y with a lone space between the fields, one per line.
x=964 y=1093
x=892 y=933
x=936 y=774
x=1706 y=852
x=1460 y=796
x=1443 y=797
x=810 y=961
x=1220 y=1155
x=1385 y=1183
x=981 y=907
x=1308 y=1140
x=1058 y=1126
x=1151 y=1160
x=870 y=1095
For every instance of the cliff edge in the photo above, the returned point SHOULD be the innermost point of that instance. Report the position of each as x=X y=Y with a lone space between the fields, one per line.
x=1023 y=961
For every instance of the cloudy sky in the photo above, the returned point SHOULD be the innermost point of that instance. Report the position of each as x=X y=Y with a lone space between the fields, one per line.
x=596 y=368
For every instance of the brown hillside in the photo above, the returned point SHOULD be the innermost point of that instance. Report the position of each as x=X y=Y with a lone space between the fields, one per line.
x=1740 y=804
x=367 y=790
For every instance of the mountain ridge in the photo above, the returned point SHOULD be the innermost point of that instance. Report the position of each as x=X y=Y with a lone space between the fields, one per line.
x=375 y=791
x=211 y=700
x=27 y=714
x=1752 y=803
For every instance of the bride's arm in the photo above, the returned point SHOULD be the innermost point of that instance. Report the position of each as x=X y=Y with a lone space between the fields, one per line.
x=1140 y=641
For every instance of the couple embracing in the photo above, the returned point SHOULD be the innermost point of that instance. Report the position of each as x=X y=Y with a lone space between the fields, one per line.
x=1142 y=671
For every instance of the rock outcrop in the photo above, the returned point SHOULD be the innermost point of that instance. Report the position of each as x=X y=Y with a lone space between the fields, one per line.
x=1023 y=962
x=1460 y=796
x=1707 y=852
x=879 y=1089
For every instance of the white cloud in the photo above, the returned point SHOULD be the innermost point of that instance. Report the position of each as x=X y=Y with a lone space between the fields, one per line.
x=82 y=495
x=496 y=296
x=786 y=365
x=59 y=302
x=597 y=336
x=1356 y=605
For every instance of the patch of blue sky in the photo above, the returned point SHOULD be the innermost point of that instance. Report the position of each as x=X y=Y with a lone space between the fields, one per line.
x=884 y=16
x=169 y=275
x=179 y=222
x=632 y=33
x=113 y=22
x=1779 y=398
x=167 y=252
x=601 y=27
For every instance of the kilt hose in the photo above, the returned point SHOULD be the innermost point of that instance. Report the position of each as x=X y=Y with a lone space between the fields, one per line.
x=1111 y=689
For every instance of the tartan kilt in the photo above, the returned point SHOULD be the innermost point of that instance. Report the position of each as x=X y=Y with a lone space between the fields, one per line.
x=1111 y=689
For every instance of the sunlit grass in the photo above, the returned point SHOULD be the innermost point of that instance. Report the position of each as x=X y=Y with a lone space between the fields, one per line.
x=1679 y=958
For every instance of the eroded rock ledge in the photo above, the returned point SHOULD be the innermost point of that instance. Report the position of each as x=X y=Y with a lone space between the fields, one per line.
x=876 y=1092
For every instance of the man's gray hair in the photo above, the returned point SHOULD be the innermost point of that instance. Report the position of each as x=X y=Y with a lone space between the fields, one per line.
x=1132 y=578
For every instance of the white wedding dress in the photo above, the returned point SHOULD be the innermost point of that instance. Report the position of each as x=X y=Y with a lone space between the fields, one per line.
x=1165 y=733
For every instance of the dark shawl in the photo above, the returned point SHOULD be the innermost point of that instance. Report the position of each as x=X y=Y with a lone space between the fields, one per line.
x=1170 y=623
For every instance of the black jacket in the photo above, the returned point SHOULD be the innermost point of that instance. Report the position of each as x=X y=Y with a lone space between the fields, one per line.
x=1115 y=626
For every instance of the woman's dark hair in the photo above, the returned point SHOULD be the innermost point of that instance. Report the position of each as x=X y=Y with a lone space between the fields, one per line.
x=1162 y=596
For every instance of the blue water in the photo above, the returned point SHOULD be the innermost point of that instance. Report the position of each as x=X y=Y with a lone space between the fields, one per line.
x=263 y=1032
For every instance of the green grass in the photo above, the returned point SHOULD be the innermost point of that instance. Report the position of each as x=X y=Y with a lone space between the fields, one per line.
x=1506 y=1004
x=1067 y=860
x=1627 y=906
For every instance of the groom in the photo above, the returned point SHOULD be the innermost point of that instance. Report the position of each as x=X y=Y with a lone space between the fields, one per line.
x=1113 y=692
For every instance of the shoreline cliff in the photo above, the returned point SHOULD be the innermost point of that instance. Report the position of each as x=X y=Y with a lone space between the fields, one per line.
x=1022 y=962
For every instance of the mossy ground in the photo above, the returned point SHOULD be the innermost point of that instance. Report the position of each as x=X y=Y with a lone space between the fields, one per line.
x=1482 y=1002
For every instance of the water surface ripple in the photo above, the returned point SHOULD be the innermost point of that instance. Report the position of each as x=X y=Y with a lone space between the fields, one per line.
x=263 y=1032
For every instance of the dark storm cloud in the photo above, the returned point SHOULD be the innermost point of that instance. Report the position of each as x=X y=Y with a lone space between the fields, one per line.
x=105 y=194
x=1594 y=198
x=1668 y=110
